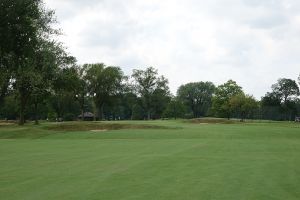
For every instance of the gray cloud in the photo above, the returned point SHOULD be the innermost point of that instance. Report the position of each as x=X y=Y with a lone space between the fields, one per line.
x=254 y=42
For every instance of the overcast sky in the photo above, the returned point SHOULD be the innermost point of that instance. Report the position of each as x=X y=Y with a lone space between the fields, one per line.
x=253 y=42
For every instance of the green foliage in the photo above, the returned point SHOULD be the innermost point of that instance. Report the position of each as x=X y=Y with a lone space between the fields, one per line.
x=197 y=97
x=69 y=117
x=137 y=112
x=9 y=110
x=243 y=105
x=175 y=109
x=286 y=89
x=153 y=91
x=64 y=91
x=104 y=83
x=26 y=28
x=223 y=94
x=52 y=116
x=39 y=77
x=281 y=103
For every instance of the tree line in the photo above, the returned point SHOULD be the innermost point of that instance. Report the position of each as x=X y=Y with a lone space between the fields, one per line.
x=40 y=80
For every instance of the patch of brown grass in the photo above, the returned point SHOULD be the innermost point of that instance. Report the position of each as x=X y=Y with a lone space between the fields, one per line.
x=88 y=126
x=6 y=123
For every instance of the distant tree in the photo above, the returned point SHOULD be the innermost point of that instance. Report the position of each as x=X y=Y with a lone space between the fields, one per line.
x=103 y=84
x=160 y=100
x=152 y=89
x=4 y=79
x=271 y=99
x=286 y=89
x=8 y=40
x=297 y=104
x=137 y=112
x=64 y=89
x=128 y=99
x=280 y=104
x=243 y=105
x=81 y=90
x=9 y=110
x=223 y=94
x=197 y=96
x=175 y=109
x=51 y=59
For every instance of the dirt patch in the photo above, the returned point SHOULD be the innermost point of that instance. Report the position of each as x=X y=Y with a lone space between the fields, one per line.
x=103 y=130
x=6 y=123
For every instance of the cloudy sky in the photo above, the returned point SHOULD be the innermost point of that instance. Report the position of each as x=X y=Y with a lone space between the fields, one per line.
x=253 y=42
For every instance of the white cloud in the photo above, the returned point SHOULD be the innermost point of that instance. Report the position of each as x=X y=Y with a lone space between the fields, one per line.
x=254 y=42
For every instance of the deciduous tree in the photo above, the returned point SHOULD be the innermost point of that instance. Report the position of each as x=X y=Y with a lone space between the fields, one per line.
x=243 y=105
x=152 y=89
x=286 y=89
x=103 y=83
x=197 y=96
x=223 y=94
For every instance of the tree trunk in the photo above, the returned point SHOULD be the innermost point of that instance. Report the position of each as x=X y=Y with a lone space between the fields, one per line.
x=22 y=110
x=36 y=121
x=82 y=108
x=3 y=90
x=131 y=113
x=148 y=115
x=100 y=114
x=82 y=113
x=175 y=113
x=195 y=114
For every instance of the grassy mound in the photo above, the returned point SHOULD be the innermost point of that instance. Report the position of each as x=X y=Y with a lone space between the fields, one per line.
x=6 y=123
x=212 y=121
x=94 y=126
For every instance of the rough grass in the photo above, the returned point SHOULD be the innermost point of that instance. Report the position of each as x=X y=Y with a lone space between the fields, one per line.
x=212 y=121
x=184 y=161
x=93 y=126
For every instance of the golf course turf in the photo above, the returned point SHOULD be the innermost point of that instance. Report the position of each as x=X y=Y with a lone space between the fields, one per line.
x=150 y=160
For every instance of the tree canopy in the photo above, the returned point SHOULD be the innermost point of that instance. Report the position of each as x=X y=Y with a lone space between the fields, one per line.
x=222 y=97
x=197 y=96
x=151 y=88
x=41 y=80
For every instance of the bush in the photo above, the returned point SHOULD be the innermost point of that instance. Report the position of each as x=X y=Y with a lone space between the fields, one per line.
x=52 y=116
x=69 y=117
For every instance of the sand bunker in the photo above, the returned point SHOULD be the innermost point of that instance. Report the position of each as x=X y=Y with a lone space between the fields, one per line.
x=99 y=130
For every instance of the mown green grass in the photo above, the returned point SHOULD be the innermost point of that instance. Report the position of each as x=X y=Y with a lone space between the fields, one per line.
x=151 y=160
